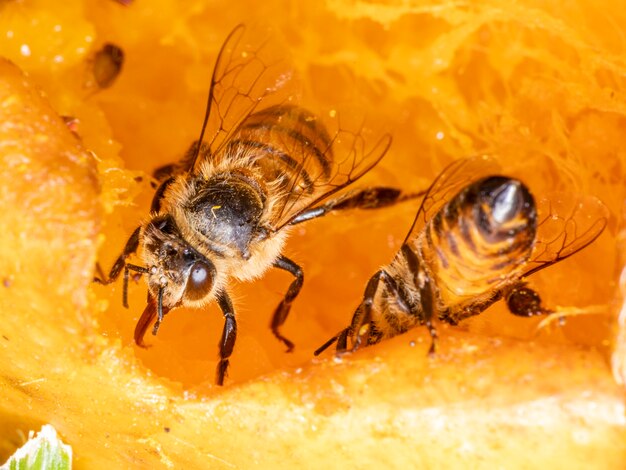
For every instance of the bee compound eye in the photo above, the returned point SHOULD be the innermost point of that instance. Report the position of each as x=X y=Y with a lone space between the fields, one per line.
x=200 y=280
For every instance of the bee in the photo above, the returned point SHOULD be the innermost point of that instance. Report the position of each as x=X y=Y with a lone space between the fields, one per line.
x=475 y=239
x=225 y=209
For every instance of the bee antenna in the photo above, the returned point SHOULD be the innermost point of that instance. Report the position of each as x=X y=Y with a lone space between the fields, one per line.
x=207 y=113
x=155 y=329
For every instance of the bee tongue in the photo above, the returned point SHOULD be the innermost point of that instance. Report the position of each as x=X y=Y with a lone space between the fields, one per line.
x=147 y=317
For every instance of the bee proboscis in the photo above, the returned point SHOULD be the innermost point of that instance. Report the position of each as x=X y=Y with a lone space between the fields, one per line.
x=224 y=210
x=475 y=239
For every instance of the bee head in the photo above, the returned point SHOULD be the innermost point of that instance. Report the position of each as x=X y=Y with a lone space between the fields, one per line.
x=182 y=273
x=505 y=208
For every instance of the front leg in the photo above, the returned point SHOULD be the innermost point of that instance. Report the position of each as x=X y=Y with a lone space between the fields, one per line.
x=361 y=329
x=155 y=207
x=342 y=334
x=131 y=247
x=229 y=335
x=282 y=311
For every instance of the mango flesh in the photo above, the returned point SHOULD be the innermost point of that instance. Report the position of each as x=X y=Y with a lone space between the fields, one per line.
x=537 y=84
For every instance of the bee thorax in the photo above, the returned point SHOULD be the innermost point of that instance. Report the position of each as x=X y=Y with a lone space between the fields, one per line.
x=227 y=210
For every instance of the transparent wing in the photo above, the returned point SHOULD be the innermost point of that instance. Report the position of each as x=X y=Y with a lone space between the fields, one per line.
x=567 y=223
x=347 y=158
x=448 y=183
x=246 y=73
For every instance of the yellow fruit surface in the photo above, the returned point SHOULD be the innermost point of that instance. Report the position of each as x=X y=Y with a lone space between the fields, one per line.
x=540 y=84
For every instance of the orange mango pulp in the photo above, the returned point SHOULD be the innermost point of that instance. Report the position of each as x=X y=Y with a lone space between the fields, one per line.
x=538 y=84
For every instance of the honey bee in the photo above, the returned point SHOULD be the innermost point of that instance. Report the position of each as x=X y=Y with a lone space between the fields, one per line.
x=475 y=239
x=224 y=210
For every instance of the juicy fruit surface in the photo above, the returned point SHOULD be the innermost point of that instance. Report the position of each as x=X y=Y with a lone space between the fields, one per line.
x=537 y=84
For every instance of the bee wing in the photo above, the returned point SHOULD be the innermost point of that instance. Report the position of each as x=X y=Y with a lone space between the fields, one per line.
x=567 y=223
x=448 y=183
x=243 y=76
x=355 y=162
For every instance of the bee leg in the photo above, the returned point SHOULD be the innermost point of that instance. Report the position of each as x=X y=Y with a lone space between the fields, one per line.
x=342 y=340
x=329 y=343
x=164 y=172
x=426 y=302
x=282 y=311
x=433 y=338
x=159 y=193
x=160 y=313
x=99 y=275
x=368 y=198
x=127 y=268
x=426 y=296
x=185 y=164
x=364 y=333
x=361 y=325
x=229 y=334
x=524 y=302
x=131 y=247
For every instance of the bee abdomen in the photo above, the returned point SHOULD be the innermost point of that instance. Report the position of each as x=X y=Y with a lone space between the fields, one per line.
x=481 y=235
x=289 y=144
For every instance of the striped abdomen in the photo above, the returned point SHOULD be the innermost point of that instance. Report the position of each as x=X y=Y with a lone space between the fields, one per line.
x=289 y=145
x=479 y=241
